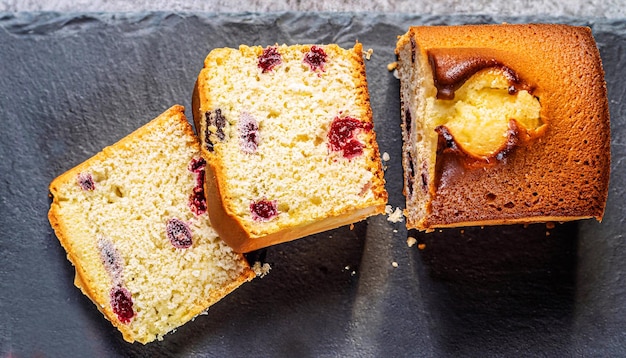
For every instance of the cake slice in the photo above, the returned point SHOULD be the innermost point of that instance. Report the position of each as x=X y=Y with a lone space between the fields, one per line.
x=502 y=124
x=133 y=222
x=288 y=136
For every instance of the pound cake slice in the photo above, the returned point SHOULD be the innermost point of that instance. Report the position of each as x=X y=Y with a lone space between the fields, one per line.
x=288 y=136
x=133 y=222
x=502 y=124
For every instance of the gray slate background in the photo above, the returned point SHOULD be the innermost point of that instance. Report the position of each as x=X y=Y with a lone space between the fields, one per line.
x=500 y=291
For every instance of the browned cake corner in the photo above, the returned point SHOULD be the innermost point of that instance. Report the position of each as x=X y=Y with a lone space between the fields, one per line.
x=133 y=222
x=502 y=124
x=288 y=135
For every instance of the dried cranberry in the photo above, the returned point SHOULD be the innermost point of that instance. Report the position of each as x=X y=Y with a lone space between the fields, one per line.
x=248 y=133
x=197 y=199
x=407 y=121
x=85 y=181
x=110 y=258
x=178 y=233
x=264 y=210
x=217 y=120
x=342 y=136
x=122 y=304
x=269 y=59
x=352 y=149
x=315 y=58
x=197 y=165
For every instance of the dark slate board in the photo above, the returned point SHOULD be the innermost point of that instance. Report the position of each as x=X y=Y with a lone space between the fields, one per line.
x=71 y=84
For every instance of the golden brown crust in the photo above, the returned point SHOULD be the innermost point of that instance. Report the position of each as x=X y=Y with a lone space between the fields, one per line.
x=565 y=173
x=374 y=162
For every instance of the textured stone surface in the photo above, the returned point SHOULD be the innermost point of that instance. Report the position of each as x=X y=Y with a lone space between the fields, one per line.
x=74 y=83
x=576 y=8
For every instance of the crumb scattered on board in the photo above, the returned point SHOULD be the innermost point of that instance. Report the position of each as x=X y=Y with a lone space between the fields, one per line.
x=394 y=216
x=368 y=54
x=385 y=157
x=394 y=264
x=261 y=269
x=394 y=67
x=347 y=268
x=410 y=241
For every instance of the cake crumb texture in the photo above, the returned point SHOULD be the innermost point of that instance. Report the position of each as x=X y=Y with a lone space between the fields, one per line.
x=128 y=219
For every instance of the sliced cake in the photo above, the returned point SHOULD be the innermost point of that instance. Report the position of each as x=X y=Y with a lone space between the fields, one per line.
x=133 y=222
x=288 y=136
x=502 y=124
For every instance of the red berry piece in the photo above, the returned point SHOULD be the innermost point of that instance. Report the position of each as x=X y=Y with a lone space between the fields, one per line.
x=264 y=210
x=197 y=199
x=352 y=149
x=178 y=233
x=85 y=181
x=122 y=304
x=214 y=119
x=197 y=165
x=342 y=136
x=269 y=59
x=248 y=133
x=315 y=58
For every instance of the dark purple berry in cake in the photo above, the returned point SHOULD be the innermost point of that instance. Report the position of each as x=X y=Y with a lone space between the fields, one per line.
x=197 y=165
x=110 y=259
x=179 y=233
x=197 y=199
x=269 y=59
x=264 y=210
x=215 y=123
x=85 y=181
x=248 y=133
x=122 y=304
x=407 y=120
x=342 y=136
x=316 y=58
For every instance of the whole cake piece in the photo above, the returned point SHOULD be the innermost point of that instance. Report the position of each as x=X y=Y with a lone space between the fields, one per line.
x=502 y=124
x=133 y=222
x=288 y=136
